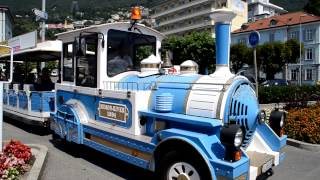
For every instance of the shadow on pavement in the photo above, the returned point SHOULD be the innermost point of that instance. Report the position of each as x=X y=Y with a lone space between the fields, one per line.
x=113 y=165
x=37 y=130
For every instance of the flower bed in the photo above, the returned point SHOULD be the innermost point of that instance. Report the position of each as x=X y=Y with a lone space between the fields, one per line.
x=15 y=160
x=303 y=124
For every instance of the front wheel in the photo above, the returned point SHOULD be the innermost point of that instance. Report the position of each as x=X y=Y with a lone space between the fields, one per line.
x=177 y=166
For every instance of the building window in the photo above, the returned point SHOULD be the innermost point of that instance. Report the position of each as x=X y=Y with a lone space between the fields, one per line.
x=242 y=41
x=309 y=35
x=294 y=35
x=308 y=76
x=271 y=37
x=308 y=54
x=294 y=74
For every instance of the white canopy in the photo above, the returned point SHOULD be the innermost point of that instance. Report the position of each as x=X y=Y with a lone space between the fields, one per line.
x=44 y=51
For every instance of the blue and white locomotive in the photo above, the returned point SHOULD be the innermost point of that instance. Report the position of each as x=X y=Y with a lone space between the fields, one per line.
x=115 y=98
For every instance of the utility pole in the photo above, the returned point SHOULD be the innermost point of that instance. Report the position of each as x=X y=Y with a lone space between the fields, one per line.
x=43 y=23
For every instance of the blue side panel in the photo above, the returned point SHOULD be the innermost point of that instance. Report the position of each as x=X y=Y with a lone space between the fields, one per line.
x=88 y=101
x=273 y=141
x=23 y=100
x=141 y=146
x=117 y=154
x=42 y=101
x=178 y=86
x=12 y=98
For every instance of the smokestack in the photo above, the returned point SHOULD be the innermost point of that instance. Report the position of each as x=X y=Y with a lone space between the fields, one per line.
x=223 y=19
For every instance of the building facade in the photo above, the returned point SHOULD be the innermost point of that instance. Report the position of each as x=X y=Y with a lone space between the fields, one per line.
x=301 y=26
x=180 y=17
x=259 y=9
x=6 y=23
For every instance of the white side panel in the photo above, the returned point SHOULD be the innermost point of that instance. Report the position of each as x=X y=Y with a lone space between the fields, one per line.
x=205 y=94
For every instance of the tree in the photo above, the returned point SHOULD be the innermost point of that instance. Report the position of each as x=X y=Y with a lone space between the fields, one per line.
x=240 y=54
x=198 y=46
x=313 y=7
x=273 y=56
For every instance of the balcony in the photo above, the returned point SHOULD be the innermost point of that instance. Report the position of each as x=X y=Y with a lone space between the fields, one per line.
x=180 y=7
x=188 y=28
x=181 y=18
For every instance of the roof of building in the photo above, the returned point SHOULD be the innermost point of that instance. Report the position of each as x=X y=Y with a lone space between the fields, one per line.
x=7 y=9
x=289 y=19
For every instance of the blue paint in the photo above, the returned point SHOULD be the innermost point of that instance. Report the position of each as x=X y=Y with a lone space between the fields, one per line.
x=42 y=101
x=222 y=31
x=12 y=98
x=272 y=139
x=242 y=107
x=117 y=154
x=178 y=86
x=23 y=100
x=131 y=143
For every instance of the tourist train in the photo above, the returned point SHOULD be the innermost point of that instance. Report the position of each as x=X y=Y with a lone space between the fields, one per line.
x=116 y=96
x=30 y=97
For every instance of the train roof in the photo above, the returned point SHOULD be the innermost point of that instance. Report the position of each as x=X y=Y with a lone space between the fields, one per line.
x=113 y=25
x=44 y=51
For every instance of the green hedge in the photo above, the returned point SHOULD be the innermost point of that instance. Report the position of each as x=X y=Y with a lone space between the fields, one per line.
x=278 y=94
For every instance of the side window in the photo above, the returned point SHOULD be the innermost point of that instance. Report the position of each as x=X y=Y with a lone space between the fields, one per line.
x=86 y=73
x=126 y=50
x=68 y=68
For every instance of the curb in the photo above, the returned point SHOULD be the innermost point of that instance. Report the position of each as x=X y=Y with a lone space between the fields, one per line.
x=303 y=145
x=40 y=152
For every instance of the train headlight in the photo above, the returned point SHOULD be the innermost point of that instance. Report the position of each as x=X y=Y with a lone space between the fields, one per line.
x=232 y=135
x=239 y=138
x=277 y=121
x=262 y=117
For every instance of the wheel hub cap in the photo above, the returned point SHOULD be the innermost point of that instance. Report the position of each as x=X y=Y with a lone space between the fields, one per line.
x=182 y=171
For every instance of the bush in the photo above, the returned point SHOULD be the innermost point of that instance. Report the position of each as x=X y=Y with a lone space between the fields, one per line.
x=304 y=124
x=288 y=94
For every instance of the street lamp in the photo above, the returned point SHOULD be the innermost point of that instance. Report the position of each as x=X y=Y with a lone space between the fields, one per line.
x=300 y=50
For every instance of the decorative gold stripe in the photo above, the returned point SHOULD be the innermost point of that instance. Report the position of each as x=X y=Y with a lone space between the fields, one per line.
x=150 y=66
x=124 y=149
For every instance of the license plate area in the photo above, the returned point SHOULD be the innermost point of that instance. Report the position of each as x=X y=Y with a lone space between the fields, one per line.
x=267 y=166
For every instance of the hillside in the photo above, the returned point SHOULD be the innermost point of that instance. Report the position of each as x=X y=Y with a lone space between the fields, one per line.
x=65 y=5
x=290 y=5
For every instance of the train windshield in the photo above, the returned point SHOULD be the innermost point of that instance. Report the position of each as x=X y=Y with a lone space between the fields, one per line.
x=126 y=50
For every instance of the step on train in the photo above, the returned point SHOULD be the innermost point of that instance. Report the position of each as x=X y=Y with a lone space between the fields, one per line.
x=114 y=96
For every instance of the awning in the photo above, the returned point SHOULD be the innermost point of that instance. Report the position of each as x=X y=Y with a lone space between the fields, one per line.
x=45 y=51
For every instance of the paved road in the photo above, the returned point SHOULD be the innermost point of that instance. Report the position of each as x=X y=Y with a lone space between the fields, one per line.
x=69 y=161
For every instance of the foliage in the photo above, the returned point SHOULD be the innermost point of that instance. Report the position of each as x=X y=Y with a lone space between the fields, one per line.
x=198 y=46
x=290 y=5
x=23 y=25
x=240 y=54
x=304 y=124
x=14 y=160
x=298 y=95
x=272 y=56
x=313 y=7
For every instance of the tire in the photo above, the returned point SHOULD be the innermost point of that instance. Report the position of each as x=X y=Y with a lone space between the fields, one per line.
x=176 y=164
x=55 y=136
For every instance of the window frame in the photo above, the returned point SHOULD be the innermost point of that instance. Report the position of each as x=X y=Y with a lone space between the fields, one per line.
x=308 y=56
x=64 y=79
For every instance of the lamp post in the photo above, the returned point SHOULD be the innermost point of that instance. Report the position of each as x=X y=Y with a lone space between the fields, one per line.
x=300 y=50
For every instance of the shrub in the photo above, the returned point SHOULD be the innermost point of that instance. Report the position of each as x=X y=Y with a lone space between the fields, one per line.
x=288 y=94
x=304 y=124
